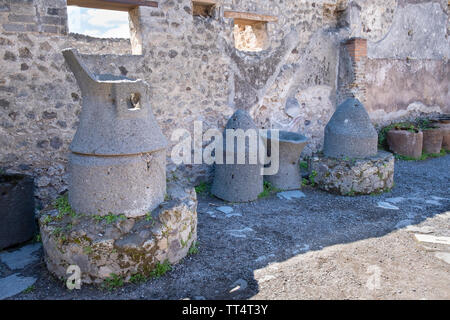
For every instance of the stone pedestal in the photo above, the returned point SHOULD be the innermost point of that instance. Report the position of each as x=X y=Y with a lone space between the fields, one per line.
x=103 y=246
x=354 y=176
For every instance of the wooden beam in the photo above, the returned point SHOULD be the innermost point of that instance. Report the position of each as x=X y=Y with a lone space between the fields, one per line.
x=249 y=18
x=205 y=2
x=121 y=5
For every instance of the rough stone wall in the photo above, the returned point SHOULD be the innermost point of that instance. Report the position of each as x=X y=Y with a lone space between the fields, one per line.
x=195 y=72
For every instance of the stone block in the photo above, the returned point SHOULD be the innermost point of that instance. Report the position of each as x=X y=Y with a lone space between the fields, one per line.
x=355 y=176
x=123 y=247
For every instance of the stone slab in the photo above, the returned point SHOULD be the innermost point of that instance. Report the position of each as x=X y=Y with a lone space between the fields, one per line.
x=289 y=195
x=14 y=284
x=432 y=239
x=22 y=257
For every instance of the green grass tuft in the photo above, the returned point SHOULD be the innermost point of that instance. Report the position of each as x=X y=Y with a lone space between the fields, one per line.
x=193 y=249
x=268 y=190
x=160 y=269
x=110 y=218
x=113 y=282
x=424 y=156
x=203 y=188
x=63 y=207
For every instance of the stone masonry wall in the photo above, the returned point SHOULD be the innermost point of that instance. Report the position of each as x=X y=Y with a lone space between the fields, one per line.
x=195 y=73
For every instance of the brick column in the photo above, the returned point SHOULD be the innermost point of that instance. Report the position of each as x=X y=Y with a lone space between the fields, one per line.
x=353 y=57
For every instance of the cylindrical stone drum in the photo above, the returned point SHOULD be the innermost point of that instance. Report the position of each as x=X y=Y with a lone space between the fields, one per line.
x=129 y=185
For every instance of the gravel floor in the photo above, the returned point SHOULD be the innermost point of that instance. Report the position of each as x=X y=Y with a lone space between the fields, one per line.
x=321 y=246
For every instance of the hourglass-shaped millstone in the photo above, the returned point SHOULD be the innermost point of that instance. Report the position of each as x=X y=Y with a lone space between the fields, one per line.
x=117 y=163
x=239 y=182
x=350 y=133
x=290 y=146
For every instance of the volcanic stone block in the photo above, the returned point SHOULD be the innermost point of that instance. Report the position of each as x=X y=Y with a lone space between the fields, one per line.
x=238 y=182
x=17 y=222
x=355 y=176
x=350 y=133
x=124 y=246
x=291 y=145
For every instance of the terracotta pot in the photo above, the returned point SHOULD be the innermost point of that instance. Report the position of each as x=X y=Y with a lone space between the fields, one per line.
x=17 y=223
x=432 y=140
x=445 y=128
x=405 y=143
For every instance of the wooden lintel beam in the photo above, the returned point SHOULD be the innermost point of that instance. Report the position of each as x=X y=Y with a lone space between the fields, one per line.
x=121 y=5
x=205 y=2
x=247 y=17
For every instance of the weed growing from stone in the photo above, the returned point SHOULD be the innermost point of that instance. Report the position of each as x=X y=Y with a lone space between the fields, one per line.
x=193 y=249
x=160 y=269
x=63 y=207
x=268 y=190
x=87 y=250
x=138 y=278
x=113 y=282
x=47 y=220
x=203 y=188
x=304 y=165
x=149 y=218
x=29 y=289
x=110 y=218
x=312 y=177
x=37 y=238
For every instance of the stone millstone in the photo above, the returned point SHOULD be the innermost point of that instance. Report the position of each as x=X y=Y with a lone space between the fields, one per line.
x=238 y=182
x=120 y=245
x=350 y=133
x=291 y=145
x=118 y=158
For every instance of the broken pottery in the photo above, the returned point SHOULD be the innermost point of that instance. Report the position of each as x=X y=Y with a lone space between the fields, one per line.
x=238 y=182
x=350 y=133
x=291 y=145
x=117 y=163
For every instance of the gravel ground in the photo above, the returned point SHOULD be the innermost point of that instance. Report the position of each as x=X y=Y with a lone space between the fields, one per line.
x=321 y=246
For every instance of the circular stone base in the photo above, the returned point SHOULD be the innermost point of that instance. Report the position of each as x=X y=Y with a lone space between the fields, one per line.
x=354 y=176
x=115 y=245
